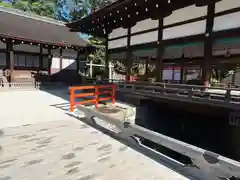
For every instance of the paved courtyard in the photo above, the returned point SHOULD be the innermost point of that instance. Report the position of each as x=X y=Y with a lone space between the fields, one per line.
x=40 y=141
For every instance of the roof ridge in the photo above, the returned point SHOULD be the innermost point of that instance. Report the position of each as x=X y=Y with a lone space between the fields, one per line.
x=31 y=16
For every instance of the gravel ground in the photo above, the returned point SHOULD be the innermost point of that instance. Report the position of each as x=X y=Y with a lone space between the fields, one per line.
x=40 y=141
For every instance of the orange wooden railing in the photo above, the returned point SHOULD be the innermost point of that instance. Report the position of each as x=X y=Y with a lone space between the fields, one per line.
x=97 y=91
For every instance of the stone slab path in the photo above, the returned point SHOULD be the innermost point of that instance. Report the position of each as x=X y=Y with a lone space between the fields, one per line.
x=39 y=141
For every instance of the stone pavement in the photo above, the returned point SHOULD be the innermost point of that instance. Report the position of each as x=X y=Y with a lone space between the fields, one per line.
x=41 y=142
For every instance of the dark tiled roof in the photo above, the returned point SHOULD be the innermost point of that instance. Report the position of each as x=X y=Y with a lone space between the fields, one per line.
x=122 y=13
x=39 y=29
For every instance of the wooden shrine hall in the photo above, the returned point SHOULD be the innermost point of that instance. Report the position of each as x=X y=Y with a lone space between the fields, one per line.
x=202 y=33
x=31 y=43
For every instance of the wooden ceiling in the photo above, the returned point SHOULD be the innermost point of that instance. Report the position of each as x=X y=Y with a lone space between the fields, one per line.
x=126 y=13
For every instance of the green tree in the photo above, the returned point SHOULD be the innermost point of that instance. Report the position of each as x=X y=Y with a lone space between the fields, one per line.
x=4 y=4
x=43 y=7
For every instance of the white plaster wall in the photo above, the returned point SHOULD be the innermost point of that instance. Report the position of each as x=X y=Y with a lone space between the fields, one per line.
x=226 y=5
x=68 y=59
x=228 y=21
x=144 y=38
x=189 y=29
x=70 y=64
x=184 y=14
x=167 y=74
x=55 y=63
x=177 y=74
x=171 y=73
x=117 y=43
x=67 y=63
x=117 y=33
x=144 y=25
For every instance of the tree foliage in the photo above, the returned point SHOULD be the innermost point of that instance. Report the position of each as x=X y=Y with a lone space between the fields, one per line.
x=40 y=7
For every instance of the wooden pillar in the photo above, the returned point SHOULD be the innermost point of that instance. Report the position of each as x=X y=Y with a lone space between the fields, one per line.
x=110 y=71
x=61 y=59
x=9 y=58
x=41 y=58
x=129 y=59
x=49 y=61
x=208 y=43
x=106 y=59
x=78 y=61
x=173 y=74
x=146 y=68
x=234 y=77
x=160 y=52
x=91 y=69
x=182 y=72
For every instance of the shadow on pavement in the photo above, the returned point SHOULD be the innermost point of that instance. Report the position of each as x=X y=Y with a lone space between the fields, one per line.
x=190 y=172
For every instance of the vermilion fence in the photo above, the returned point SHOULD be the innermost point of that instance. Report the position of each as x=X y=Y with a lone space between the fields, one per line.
x=94 y=96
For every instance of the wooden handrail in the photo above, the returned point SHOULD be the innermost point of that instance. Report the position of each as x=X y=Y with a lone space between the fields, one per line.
x=222 y=166
x=192 y=92
x=171 y=85
x=95 y=94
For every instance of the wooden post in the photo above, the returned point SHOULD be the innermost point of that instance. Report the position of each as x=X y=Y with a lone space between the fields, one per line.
x=61 y=58
x=110 y=72
x=129 y=55
x=78 y=61
x=72 y=99
x=113 y=93
x=41 y=57
x=146 y=68
x=182 y=72
x=49 y=62
x=160 y=52
x=91 y=68
x=208 y=43
x=234 y=77
x=173 y=74
x=96 y=96
x=106 y=59
x=10 y=58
